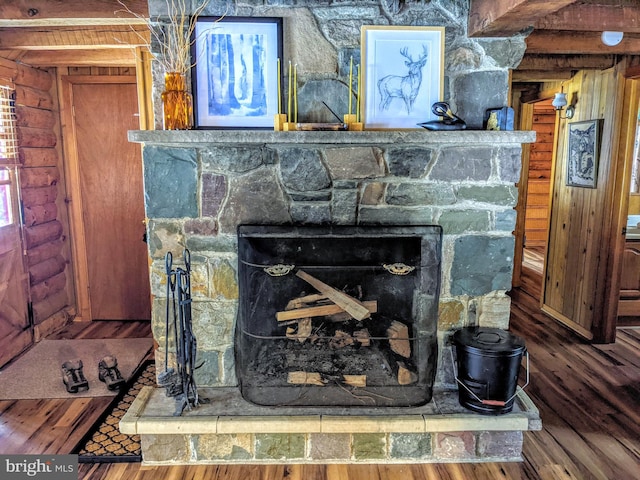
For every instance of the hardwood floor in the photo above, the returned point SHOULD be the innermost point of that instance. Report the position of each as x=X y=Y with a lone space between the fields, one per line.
x=57 y=425
x=588 y=396
x=532 y=270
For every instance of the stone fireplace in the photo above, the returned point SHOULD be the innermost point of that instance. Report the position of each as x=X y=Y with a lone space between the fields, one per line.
x=201 y=185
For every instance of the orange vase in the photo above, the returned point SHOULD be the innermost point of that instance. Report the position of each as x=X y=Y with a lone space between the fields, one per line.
x=177 y=103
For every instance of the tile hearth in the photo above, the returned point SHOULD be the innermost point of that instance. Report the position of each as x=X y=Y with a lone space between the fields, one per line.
x=229 y=429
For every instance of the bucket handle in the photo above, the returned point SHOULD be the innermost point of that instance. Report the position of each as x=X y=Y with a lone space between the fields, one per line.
x=496 y=403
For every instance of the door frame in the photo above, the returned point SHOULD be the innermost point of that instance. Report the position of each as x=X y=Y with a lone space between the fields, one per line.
x=72 y=183
x=622 y=185
x=526 y=122
x=15 y=233
x=623 y=113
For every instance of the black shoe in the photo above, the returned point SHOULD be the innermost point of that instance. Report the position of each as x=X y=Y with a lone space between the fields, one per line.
x=108 y=373
x=73 y=376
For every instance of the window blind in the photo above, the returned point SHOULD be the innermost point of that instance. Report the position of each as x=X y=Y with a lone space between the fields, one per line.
x=8 y=138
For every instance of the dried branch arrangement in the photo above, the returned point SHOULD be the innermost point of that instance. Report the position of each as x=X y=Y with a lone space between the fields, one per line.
x=173 y=36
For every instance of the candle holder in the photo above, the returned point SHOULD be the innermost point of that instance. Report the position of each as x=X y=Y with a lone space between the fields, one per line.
x=289 y=126
x=279 y=119
x=351 y=120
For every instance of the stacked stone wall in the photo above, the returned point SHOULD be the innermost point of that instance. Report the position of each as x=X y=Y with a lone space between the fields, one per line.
x=279 y=178
x=322 y=37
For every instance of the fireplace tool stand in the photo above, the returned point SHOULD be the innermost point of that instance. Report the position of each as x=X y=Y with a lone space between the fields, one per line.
x=179 y=382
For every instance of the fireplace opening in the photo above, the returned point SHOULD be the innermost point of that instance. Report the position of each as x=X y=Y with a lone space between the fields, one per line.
x=337 y=315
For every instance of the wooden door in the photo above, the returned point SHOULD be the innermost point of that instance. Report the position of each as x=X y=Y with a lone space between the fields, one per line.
x=108 y=207
x=15 y=329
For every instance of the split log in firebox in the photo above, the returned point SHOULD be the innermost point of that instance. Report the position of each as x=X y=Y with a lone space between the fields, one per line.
x=349 y=304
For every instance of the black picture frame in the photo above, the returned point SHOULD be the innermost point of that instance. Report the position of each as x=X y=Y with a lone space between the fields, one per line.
x=583 y=153
x=235 y=73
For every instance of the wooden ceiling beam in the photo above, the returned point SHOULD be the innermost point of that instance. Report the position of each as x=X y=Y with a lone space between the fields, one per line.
x=593 y=18
x=22 y=13
x=586 y=43
x=540 y=75
x=73 y=38
x=566 y=62
x=117 y=57
x=507 y=17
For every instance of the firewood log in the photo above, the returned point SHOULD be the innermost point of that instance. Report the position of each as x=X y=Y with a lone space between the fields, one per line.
x=355 y=380
x=398 y=334
x=319 y=311
x=302 y=332
x=406 y=376
x=362 y=337
x=340 y=340
x=305 y=378
x=346 y=302
x=304 y=301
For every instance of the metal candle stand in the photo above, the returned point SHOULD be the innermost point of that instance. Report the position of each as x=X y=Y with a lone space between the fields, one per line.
x=179 y=382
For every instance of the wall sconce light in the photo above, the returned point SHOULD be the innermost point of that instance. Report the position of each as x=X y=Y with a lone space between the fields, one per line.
x=559 y=102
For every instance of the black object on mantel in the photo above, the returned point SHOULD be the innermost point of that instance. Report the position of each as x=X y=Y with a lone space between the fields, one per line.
x=488 y=361
x=450 y=121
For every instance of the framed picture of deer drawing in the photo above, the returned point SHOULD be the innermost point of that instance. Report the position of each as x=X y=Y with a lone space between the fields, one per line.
x=402 y=75
x=235 y=76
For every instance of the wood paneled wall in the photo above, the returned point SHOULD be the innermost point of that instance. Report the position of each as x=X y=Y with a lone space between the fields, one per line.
x=539 y=181
x=581 y=217
x=43 y=196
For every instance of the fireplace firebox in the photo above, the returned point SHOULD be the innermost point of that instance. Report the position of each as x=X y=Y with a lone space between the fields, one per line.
x=337 y=315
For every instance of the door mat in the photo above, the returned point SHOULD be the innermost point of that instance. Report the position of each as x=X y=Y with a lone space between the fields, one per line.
x=104 y=443
x=37 y=373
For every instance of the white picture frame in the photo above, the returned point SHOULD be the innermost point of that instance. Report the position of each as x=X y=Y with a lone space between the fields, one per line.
x=403 y=75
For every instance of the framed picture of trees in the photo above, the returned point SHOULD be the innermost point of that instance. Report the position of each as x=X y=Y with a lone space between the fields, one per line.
x=235 y=72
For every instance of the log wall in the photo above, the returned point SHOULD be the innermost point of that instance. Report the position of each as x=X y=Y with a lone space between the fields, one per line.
x=43 y=196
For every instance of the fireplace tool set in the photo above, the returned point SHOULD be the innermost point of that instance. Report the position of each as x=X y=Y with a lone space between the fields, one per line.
x=179 y=382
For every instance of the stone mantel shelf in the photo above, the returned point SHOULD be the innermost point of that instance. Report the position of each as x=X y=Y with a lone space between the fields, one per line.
x=190 y=138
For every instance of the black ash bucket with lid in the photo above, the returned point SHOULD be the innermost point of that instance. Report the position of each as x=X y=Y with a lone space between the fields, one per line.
x=488 y=361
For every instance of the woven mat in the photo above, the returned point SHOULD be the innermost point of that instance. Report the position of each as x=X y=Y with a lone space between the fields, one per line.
x=104 y=443
x=37 y=374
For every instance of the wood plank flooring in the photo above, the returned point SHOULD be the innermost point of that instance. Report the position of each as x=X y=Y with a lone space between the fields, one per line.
x=57 y=425
x=588 y=396
x=532 y=269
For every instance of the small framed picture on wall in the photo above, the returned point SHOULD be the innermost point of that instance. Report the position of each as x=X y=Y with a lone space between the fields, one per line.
x=583 y=153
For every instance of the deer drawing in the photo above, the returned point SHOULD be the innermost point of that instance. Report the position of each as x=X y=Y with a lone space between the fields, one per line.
x=405 y=88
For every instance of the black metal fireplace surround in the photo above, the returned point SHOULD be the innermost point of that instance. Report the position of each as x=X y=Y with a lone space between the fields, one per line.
x=337 y=315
